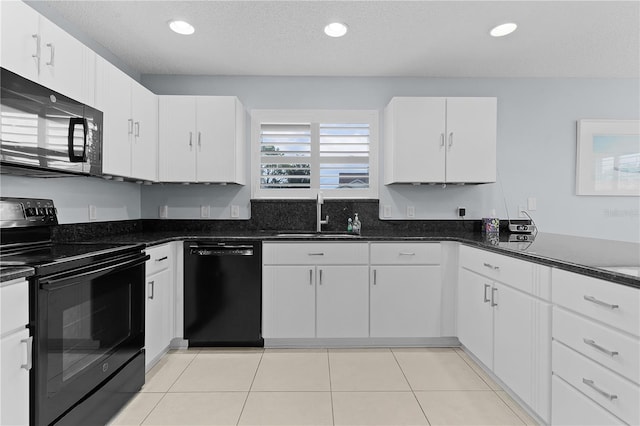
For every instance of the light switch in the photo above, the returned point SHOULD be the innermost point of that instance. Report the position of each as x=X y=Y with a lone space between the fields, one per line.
x=205 y=211
x=235 y=211
x=163 y=212
x=411 y=211
x=531 y=204
x=93 y=212
x=386 y=210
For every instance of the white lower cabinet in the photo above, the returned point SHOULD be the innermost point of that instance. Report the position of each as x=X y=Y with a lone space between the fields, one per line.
x=159 y=303
x=596 y=351
x=506 y=325
x=406 y=285
x=324 y=299
x=570 y=407
x=15 y=353
x=342 y=301
x=289 y=301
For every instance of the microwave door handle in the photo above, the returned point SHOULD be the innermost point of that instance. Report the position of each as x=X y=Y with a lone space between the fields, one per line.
x=73 y=122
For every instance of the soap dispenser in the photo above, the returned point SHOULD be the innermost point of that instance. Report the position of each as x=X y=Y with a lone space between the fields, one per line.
x=349 y=225
x=356 y=225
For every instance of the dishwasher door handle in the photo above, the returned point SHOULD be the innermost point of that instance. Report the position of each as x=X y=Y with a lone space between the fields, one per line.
x=221 y=250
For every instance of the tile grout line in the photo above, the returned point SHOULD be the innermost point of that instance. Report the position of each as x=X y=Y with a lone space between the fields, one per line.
x=410 y=387
x=255 y=374
x=490 y=388
x=333 y=417
x=164 y=394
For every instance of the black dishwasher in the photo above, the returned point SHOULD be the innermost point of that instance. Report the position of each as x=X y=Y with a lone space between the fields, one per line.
x=223 y=293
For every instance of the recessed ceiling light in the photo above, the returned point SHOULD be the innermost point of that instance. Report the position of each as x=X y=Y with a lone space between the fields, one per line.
x=335 y=29
x=503 y=30
x=182 y=27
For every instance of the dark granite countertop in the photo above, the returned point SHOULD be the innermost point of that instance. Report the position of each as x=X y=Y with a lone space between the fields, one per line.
x=10 y=273
x=614 y=261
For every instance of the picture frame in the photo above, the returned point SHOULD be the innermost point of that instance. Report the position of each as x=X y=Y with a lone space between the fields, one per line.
x=608 y=157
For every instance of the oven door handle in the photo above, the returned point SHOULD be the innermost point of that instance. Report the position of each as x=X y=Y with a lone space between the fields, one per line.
x=73 y=279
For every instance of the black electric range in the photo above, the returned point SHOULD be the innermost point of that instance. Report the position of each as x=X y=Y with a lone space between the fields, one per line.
x=86 y=316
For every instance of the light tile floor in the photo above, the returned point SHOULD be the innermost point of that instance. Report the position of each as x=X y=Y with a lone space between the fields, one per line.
x=405 y=386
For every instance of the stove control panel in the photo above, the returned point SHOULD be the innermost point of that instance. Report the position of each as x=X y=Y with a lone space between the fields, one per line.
x=22 y=212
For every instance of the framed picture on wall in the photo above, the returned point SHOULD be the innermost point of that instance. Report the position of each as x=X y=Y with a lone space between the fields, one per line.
x=608 y=157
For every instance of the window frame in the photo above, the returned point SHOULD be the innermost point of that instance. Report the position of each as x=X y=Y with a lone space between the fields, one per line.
x=259 y=116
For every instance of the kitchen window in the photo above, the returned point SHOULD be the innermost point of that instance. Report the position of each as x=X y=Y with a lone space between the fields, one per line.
x=295 y=154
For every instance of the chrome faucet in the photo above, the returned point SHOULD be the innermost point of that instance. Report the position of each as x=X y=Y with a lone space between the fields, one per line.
x=319 y=221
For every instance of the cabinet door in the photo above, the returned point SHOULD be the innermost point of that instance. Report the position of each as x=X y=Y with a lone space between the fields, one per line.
x=216 y=138
x=157 y=316
x=14 y=398
x=342 y=301
x=415 y=140
x=144 y=153
x=405 y=301
x=471 y=139
x=19 y=38
x=177 y=138
x=288 y=301
x=513 y=356
x=62 y=60
x=475 y=315
x=113 y=98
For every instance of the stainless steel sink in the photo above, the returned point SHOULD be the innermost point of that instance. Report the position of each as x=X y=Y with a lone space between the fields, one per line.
x=316 y=235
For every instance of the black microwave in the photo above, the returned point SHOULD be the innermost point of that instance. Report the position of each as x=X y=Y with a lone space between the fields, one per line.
x=43 y=132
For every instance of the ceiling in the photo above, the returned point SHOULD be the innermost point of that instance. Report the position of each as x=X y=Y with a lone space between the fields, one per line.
x=385 y=38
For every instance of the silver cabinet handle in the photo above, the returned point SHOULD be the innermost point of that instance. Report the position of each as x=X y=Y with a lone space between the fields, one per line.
x=405 y=253
x=375 y=277
x=493 y=296
x=593 y=344
x=450 y=140
x=130 y=125
x=152 y=284
x=162 y=258
x=490 y=266
x=190 y=140
x=36 y=55
x=593 y=386
x=600 y=302
x=52 y=51
x=442 y=138
x=320 y=282
x=316 y=254
x=486 y=299
x=310 y=276
x=136 y=126
x=200 y=140
x=29 y=362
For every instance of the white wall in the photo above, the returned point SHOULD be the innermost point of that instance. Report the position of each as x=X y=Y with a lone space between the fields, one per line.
x=536 y=145
x=73 y=195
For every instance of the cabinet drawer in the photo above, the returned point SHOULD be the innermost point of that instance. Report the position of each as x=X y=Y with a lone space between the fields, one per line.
x=609 y=390
x=598 y=342
x=343 y=253
x=160 y=258
x=516 y=273
x=614 y=304
x=570 y=407
x=14 y=308
x=405 y=253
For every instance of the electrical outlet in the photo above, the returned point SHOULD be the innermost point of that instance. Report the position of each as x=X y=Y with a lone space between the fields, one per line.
x=411 y=211
x=531 y=203
x=163 y=212
x=521 y=210
x=462 y=211
x=386 y=210
x=205 y=211
x=93 y=212
x=235 y=211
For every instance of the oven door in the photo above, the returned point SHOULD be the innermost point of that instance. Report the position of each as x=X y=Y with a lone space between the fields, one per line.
x=90 y=323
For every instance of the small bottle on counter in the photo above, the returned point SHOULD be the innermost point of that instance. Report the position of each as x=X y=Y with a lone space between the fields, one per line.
x=349 y=225
x=356 y=225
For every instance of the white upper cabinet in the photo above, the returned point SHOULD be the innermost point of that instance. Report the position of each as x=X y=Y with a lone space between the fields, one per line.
x=37 y=49
x=130 y=137
x=202 y=139
x=440 y=140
